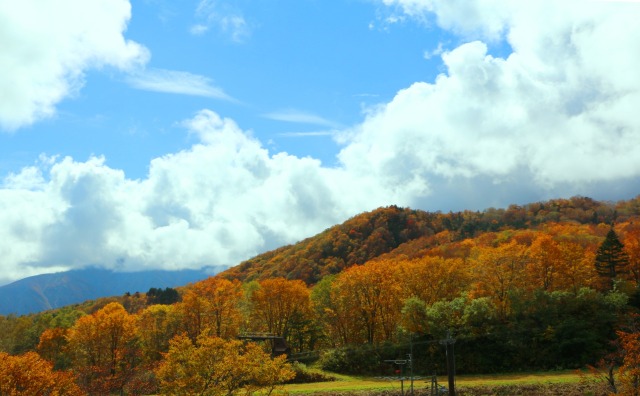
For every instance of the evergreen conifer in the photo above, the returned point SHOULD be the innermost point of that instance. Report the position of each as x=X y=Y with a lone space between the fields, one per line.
x=611 y=259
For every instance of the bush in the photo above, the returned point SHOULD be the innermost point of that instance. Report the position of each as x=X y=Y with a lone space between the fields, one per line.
x=303 y=375
x=350 y=361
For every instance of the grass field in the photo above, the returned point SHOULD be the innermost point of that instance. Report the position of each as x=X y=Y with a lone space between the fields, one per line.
x=346 y=384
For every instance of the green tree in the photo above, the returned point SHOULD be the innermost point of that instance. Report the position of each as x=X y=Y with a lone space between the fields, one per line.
x=611 y=258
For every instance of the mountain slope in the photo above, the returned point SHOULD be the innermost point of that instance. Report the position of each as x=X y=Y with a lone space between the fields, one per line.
x=384 y=230
x=389 y=230
x=49 y=291
x=356 y=241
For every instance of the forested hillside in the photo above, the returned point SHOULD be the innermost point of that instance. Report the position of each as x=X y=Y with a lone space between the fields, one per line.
x=369 y=235
x=543 y=286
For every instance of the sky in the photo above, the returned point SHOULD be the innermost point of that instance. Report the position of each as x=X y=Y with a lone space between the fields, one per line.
x=155 y=134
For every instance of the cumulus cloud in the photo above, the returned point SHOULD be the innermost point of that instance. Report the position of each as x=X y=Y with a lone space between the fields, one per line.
x=223 y=200
x=47 y=46
x=553 y=116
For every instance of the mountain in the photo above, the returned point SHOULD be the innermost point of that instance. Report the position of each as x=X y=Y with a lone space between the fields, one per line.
x=387 y=231
x=402 y=231
x=50 y=291
x=355 y=241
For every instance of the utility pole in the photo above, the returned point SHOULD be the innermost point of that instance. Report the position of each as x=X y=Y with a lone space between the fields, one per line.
x=411 y=361
x=451 y=362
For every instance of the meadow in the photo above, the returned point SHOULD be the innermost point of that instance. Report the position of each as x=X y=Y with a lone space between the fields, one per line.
x=565 y=382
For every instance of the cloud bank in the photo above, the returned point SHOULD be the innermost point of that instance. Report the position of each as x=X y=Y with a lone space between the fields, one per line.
x=223 y=200
x=556 y=117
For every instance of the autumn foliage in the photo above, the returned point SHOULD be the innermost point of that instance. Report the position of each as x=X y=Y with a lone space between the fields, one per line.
x=213 y=366
x=103 y=350
x=29 y=374
x=519 y=288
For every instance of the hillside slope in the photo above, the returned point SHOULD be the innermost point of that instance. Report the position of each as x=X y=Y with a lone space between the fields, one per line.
x=356 y=241
x=373 y=234
x=49 y=291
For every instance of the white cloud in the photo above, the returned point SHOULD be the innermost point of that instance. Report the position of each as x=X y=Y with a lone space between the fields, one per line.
x=223 y=200
x=486 y=17
x=236 y=27
x=434 y=52
x=198 y=29
x=47 y=46
x=177 y=82
x=224 y=16
x=308 y=133
x=302 y=117
x=554 y=116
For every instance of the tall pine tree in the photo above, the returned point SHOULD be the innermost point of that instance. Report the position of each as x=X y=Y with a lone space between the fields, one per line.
x=611 y=259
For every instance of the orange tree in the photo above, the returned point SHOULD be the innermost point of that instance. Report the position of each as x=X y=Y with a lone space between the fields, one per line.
x=53 y=347
x=545 y=262
x=631 y=241
x=282 y=307
x=29 y=374
x=212 y=305
x=432 y=279
x=499 y=272
x=629 y=371
x=103 y=349
x=369 y=298
x=577 y=270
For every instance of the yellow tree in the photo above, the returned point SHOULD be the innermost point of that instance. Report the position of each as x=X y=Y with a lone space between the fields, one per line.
x=631 y=241
x=499 y=273
x=265 y=373
x=213 y=366
x=544 y=264
x=414 y=315
x=102 y=348
x=212 y=305
x=277 y=303
x=371 y=297
x=433 y=279
x=156 y=325
x=576 y=270
x=29 y=374
x=339 y=325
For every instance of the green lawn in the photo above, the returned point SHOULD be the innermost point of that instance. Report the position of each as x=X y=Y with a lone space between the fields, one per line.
x=354 y=384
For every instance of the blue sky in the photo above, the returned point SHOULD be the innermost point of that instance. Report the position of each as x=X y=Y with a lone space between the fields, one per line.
x=161 y=134
x=292 y=73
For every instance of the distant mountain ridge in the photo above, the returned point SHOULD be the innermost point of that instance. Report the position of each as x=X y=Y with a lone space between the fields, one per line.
x=50 y=291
